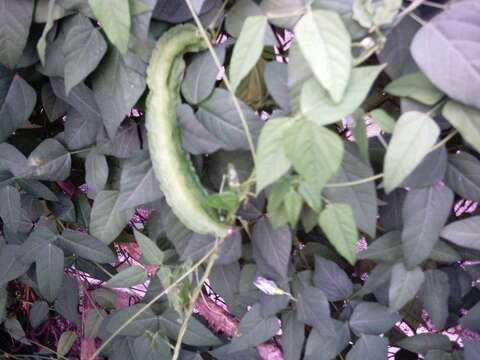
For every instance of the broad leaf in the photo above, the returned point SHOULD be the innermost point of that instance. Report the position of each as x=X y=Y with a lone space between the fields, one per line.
x=107 y=219
x=317 y=105
x=253 y=329
x=10 y=207
x=338 y=223
x=150 y=251
x=65 y=342
x=466 y=120
x=18 y=104
x=293 y=336
x=146 y=320
x=138 y=184
x=372 y=319
x=329 y=344
x=152 y=347
x=425 y=212
x=383 y=120
x=38 y=313
x=325 y=43
x=80 y=131
x=463 y=175
x=414 y=135
x=313 y=309
x=195 y=138
x=129 y=277
x=422 y=343
x=85 y=246
x=201 y=75
x=11 y=268
x=50 y=263
x=404 y=285
x=12 y=159
x=275 y=74
x=272 y=163
x=430 y=171
x=362 y=198
x=117 y=86
x=471 y=320
x=452 y=45
x=314 y=152
x=39 y=238
x=434 y=296
x=369 y=347
x=49 y=161
x=471 y=349
x=387 y=247
x=84 y=48
x=247 y=49
x=463 y=232
x=219 y=115
x=332 y=280
x=114 y=16
x=415 y=86
x=271 y=248
x=15 y=19
x=96 y=173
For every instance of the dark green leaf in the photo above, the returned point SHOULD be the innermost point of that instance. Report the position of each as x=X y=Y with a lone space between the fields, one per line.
x=293 y=336
x=271 y=248
x=15 y=19
x=10 y=267
x=275 y=75
x=253 y=329
x=463 y=175
x=471 y=320
x=404 y=285
x=425 y=212
x=50 y=268
x=197 y=334
x=117 y=86
x=463 y=232
x=314 y=310
x=434 y=296
x=39 y=238
x=15 y=330
x=150 y=347
x=107 y=219
x=65 y=342
x=80 y=131
x=472 y=349
x=195 y=138
x=225 y=281
x=430 y=171
x=219 y=115
x=422 y=343
x=138 y=184
x=369 y=347
x=84 y=48
x=93 y=322
x=372 y=319
x=387 y=247
x=10 y=207
x=332 y=280
x=201 y=75
x=129 y=277
x=150 y=251
x=466 y=120
x=146 y=320
x=325 y=346
x=49 y=161
x=12 y=159
x=362 y=198
x=18 y=104
x=96 y=173
x=38 y=313
x=85 y=246
x=54 y=106
x=67 y=300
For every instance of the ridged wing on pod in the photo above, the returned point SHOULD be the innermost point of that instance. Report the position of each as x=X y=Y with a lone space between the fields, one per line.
x=173 y=169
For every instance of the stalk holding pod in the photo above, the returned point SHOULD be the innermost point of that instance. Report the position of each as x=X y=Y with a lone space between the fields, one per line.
x=173 y=169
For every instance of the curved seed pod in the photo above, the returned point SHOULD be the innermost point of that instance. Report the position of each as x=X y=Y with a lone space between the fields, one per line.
x=173 y=169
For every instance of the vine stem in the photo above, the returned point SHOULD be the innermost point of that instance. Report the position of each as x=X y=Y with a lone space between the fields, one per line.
x=195 y=294
x=225 y=80
x=155 y=299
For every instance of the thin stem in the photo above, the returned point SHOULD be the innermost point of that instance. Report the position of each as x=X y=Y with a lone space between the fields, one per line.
x=48 y=349
x=356 y=182
x=408 y=10
x=225 y=80
x=444 y=140
x=195 y=294
x=155 y=299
